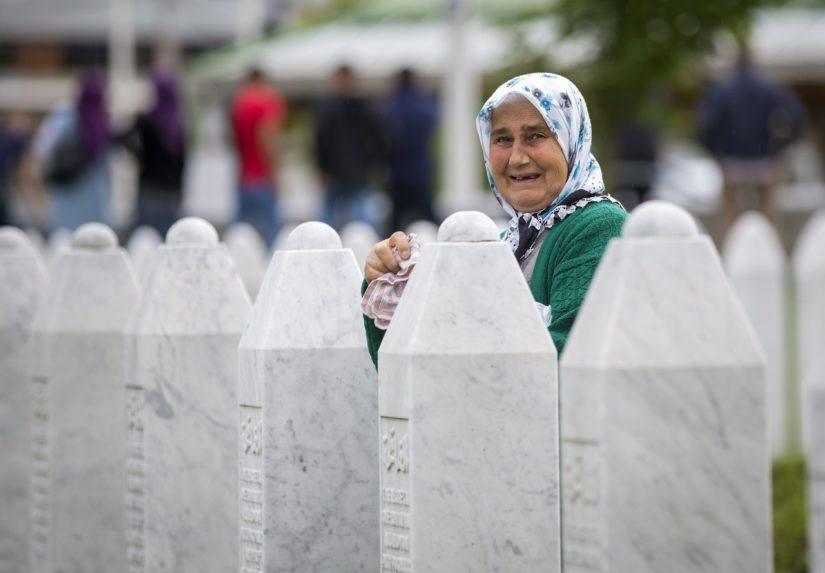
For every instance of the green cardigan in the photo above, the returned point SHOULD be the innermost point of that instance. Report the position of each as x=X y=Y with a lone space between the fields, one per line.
x=568 y=258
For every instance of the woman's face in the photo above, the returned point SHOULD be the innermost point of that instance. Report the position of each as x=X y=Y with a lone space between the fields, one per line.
x=528 y=165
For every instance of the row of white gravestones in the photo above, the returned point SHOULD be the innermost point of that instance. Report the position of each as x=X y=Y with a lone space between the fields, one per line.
x=22 y=287
x=663 y=414
x=180 y=396
x=662 y=421
x=809 y=273
x=754 y=260
x=79 y=408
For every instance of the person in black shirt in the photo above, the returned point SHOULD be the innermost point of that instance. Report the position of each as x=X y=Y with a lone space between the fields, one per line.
x=349 y=148
x=157 y=141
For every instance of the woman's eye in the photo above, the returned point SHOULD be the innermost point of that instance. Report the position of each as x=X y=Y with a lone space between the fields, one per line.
x=502 y=139
x=535 y=136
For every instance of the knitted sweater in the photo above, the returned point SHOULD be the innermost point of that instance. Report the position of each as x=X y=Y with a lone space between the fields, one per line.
x=566 y=262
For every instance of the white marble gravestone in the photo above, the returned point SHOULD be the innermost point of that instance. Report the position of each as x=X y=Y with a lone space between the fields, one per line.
x=79 y=405
x=360 y=237
x=755 y=264
x=665 y=455
x=426 y=231
x=468 y=414
x=182 y=393
x=22 y=288
x=142 y=245
x=308 y=397
x=809 y=273
x=248 y=250
x=809 y=277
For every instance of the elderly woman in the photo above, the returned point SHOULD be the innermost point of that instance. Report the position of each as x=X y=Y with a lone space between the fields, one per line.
x=535 y=135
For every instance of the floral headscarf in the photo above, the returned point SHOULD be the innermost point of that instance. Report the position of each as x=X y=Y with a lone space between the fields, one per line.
x=562 y=107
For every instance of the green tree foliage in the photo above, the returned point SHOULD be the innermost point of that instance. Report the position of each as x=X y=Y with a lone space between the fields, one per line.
x=644 y=48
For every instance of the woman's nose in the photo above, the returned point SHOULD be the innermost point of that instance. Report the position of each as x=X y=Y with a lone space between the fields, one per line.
x=518 y=156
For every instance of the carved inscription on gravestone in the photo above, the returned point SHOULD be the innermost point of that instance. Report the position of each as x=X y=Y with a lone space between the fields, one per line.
x=135 y=480
x=396 y=502
x=583 y=540
x=41 y=480
x=251 y=489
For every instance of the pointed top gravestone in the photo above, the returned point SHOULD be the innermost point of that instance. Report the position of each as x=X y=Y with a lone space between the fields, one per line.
x=308 y=409
x=809 y=273
x=755 y=263
x=181 y=390
x=468 y=414
x=665 y=460
x=80 y=407
x=250 y=254
x=22 y=287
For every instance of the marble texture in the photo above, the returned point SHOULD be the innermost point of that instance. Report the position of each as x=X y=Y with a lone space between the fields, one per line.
x=665 y=454
x=308 y=402
x=79 y=408
x=181 y=388
x=809 y=273
x=754 y=260
x=809 y=276
x=469 y=414
x=22 y=289
x=142 y=245
x=248 y=250
x=360 y=238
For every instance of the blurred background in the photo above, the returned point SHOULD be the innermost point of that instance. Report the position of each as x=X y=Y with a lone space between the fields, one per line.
x=365 y=109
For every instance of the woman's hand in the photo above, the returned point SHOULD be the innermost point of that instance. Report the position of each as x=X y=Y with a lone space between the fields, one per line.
x=381 y=258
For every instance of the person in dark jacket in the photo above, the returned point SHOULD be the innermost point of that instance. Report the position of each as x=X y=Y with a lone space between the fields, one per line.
x=411 y=118
x=349 y=150
x=746 y=121
x=157 y=140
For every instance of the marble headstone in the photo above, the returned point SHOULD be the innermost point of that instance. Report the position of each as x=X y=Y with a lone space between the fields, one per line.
x=665 y=455
x=308 y=398
x=181 y=390
x=426 y=231
x=755 y=264
x=79 y=406
x=809 y=273
x=360 y=237
x=142 y=245
x=468 y=414
x=248 y=250
x=22 y=288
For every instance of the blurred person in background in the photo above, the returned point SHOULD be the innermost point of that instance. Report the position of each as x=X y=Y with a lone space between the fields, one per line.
x=349 y=150
x=746 y=121
x=15 y=134
x=71 y=149
x=258 y=111
x=637 y=154
x=411 y=118
x=157 y=139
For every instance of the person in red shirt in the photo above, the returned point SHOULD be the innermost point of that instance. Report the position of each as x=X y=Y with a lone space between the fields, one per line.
x=258 y=111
